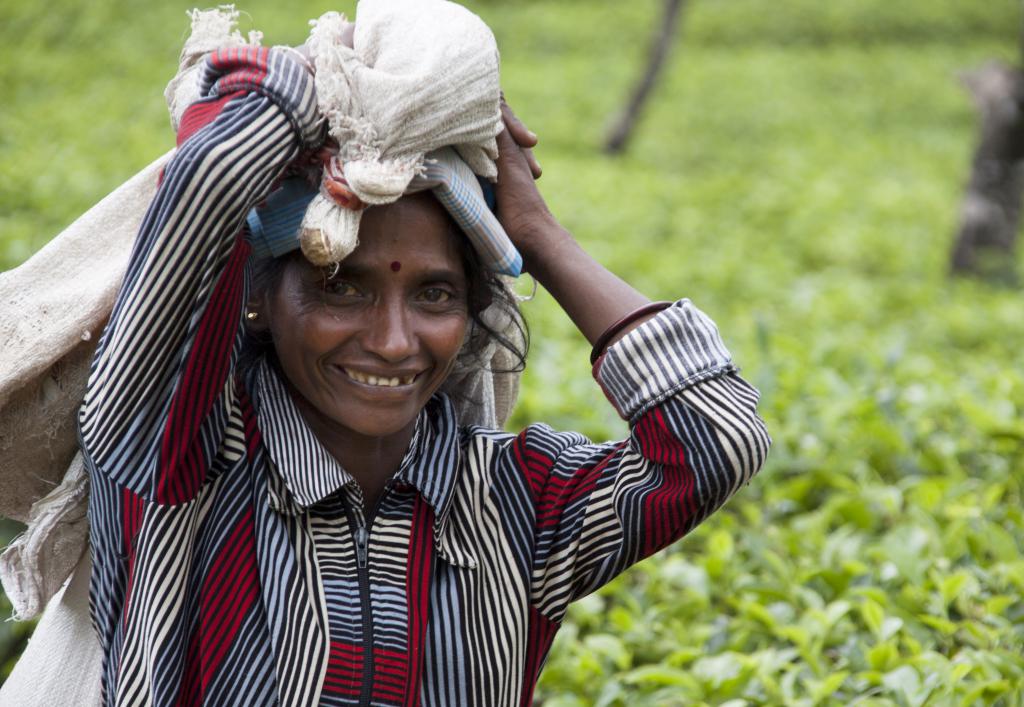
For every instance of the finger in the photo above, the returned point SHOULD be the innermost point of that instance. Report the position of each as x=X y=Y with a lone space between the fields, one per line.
x=531 y=160
x=522 y=136
x=510 y=153
x=507 y=148
x=518 y=130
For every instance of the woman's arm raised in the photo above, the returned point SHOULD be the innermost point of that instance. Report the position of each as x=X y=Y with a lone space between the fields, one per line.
x=695 y=436
x=592 y=296
x=160 y=391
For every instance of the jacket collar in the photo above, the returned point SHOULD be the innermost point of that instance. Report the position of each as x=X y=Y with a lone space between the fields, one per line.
x=432 y=464
x=303 y=473
x=308 y=471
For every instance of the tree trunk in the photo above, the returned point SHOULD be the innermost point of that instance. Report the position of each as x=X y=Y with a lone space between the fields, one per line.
x=660 y=45
x=990 y=214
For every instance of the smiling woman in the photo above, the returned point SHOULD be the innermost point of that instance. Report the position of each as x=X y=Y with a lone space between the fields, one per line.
x=363 y=348
x=300 y=493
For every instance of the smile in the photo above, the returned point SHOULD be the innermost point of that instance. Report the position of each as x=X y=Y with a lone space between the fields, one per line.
x=379 y=381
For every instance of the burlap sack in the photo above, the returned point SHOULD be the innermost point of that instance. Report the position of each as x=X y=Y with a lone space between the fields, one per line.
x=63 y=662
x=52 y=309
x=419 y=75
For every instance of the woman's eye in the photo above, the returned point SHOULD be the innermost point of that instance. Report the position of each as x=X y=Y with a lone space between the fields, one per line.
x=436 y=295
x=342 y=288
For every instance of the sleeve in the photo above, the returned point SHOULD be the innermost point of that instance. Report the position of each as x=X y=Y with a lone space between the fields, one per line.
x=695 y=439
x=160 y=389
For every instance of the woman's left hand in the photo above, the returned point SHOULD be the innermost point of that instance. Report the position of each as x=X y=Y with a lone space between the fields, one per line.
x=522 y=210
x=593 y=297
x=525 y=138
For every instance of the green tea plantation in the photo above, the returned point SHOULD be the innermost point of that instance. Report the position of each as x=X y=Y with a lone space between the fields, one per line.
x=798 y=173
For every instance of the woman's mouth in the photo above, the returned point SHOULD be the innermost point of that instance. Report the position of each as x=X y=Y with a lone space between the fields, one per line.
x=379 y=381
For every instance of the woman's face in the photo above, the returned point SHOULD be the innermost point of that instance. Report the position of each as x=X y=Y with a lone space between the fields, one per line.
x=364 y=350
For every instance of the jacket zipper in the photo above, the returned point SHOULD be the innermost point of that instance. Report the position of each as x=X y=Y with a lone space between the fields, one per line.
x=362 y=542
x=363 y=573
x=361 y=535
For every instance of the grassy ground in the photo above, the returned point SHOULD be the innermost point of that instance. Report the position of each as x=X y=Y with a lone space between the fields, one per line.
x=797 y=174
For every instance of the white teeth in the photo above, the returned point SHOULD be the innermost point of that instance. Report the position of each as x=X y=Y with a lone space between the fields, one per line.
x=392 y=382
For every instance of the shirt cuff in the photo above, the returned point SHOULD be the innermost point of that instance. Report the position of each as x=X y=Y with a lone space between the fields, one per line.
x=670 y=352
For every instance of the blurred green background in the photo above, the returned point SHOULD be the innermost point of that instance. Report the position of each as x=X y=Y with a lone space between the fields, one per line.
x=798 y=174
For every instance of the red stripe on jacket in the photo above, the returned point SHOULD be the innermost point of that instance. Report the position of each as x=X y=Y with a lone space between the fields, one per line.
x=183 y=460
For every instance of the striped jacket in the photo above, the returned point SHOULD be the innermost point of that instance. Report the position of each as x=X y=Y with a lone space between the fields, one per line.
x=233 y=564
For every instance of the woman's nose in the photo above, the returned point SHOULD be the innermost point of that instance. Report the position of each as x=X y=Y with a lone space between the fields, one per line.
x=389 y=332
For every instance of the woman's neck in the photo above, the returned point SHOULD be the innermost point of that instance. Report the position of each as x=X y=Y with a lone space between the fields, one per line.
x=370 y=461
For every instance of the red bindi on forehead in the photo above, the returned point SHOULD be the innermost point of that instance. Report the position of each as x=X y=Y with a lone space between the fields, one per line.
x=395 y=266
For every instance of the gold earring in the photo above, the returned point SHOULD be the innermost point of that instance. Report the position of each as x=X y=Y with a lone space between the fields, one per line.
x=252 y=316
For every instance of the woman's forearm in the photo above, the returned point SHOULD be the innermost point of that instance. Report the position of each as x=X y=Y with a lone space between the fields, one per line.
x=592 y=296
x=170 y=340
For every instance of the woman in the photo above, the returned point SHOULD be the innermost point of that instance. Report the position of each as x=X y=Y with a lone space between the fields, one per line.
x=313 y=526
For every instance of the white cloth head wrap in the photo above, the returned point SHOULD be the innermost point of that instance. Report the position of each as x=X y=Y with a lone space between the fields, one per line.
x=421 y=75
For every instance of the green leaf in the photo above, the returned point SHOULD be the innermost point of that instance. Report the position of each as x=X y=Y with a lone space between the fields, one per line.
x=883 y=656
x=890 y=626
x=827 y=687
x=997 y=605
x=904 y=682
x=873 y=615
x=724 y=673
x=610 y=694
x=944 y=626
x=1001 y=544
x=951 y=586
x=661 y=675
x=611 y=647
x=799 y=636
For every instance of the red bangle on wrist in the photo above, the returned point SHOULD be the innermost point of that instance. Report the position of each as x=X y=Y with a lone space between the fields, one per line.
x=609 y=333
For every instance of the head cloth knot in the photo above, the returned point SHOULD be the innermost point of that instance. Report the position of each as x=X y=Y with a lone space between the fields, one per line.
x=421 y=75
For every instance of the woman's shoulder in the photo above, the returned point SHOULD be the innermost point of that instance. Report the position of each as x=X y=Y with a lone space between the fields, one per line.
x=537 y=445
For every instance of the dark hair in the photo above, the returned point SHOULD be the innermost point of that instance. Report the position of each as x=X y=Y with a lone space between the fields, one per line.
x=264 y=275
x=484 y=289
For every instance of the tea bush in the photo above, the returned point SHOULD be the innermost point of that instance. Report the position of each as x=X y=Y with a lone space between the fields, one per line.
x=798 y=174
